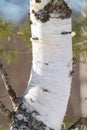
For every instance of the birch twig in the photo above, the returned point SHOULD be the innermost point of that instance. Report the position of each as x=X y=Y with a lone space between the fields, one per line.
x=9 y=88
x=5 y=110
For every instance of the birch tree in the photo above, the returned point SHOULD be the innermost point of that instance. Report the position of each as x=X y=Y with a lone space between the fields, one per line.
x=44 y=103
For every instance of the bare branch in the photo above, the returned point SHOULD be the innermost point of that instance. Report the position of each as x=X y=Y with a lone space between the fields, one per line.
x=9 y=88
x=5 y=110
x=79 y=123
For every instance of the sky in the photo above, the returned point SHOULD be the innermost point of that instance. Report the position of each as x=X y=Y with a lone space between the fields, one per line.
x=16 y=10
x=77 y=5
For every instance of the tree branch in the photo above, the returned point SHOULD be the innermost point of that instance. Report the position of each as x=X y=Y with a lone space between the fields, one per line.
x=9 y=88
x=79 y=123
x=5 y=110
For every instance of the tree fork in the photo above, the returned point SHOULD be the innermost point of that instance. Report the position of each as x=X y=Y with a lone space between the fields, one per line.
x=5 y=110
x=19 y=117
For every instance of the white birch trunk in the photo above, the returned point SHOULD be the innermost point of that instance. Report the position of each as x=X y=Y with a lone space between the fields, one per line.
x=49 y=86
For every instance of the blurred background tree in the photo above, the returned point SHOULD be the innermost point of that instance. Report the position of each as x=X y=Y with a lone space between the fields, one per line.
x=13 y=25
x=8 y=32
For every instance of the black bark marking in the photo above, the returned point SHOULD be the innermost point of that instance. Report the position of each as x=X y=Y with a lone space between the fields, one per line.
x=45 y=90
x=65 y=33
x=35 y=38
x=30 y=22
x=29 y=15
x=33 y=11
x=74 y=61
x=37 y=1
x=46 y=63
x=42 y=15
x=71 y=73
x=29 y=122
x=56 y=7
x=51 y=129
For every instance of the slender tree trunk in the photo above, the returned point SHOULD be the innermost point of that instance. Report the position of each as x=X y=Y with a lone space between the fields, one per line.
x=49 y=86
x=83 y=85
x=83 y=68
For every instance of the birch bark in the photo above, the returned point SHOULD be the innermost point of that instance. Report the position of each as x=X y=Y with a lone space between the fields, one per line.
x=48 y=89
